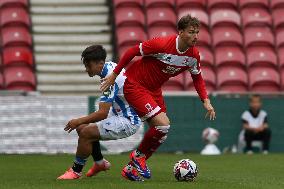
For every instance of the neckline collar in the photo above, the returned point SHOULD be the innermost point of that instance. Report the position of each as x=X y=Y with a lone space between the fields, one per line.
x=178 y=48
x=104 y=71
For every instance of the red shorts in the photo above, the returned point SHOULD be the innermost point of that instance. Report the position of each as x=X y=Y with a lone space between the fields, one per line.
x=146 y=103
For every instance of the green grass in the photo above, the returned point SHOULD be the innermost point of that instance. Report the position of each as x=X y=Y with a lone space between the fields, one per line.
x=220 y=172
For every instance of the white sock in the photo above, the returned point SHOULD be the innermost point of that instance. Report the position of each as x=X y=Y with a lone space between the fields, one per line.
x=100 y=162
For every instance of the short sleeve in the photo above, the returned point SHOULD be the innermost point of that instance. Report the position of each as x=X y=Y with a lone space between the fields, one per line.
x=244 y=117
x=152 y=46
x=110 y=94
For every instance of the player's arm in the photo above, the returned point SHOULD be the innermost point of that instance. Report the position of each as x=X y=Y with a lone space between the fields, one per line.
x=200 y=87
x=96 y=116
x=146 y=48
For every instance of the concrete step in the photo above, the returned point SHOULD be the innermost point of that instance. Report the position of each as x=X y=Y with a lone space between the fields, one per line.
x=68 y=2
x=66 y=78
x=69 y=10
x=72 y=39
x=53 y=19
x=65 y=48
x=64 y=88
x=70 y=29
x=60 y=68
x=60 y=58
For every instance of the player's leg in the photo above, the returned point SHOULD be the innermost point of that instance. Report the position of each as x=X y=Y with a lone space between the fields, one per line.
x=249 y=136
x=265 y=137
x=87 y=135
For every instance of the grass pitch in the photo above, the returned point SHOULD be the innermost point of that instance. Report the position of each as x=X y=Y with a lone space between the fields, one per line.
x=220 y=172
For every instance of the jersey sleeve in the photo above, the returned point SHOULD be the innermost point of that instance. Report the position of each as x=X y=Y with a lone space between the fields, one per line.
x=109 y=96
x=152 y=46
x=196 y=69
x=245 y=117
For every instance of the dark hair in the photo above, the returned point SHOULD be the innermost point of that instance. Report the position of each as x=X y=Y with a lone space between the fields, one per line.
x=254 y=96
x=186 y=21
x=93 y=53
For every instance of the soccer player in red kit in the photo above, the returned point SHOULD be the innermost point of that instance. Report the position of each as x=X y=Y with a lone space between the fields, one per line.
x=162 y=58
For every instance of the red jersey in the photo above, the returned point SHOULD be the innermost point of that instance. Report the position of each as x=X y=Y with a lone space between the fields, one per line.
x=161 y=60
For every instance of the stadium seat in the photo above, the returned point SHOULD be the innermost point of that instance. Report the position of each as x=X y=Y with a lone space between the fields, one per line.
x=195 y=12
x=125 y=16
x=255 y=36
x=282 y=79
x=280 y=37
x=161 y=17
x=16 y=36
x=14 y=16
x=19 y=78
x=254 y=3
x=208 y=76
x=206 y=56
x=128 y=3
x=174 y=84
x=159 y=3
x=232 y=79
x=204 y=38
x=191 y=4
x=17 y=56
x=261 y=56
x=256 y=17
x=264 y=80
x=221 y=4
x=229 y=56
x=275 y=4
x=14 y=3
x=130 y=35
x=278 y=18
x=158 y=31
x=228 y=36
x=225 y=17
x=1 y=81
x=280 y=53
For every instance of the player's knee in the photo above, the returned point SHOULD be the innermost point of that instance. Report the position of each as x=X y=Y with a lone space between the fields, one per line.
x=89 y=133
x=80 y=128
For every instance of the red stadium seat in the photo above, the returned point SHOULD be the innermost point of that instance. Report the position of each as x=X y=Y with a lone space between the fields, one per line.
x=280 y=53
x=254 y=3
x=228 y=36
x=175 y=83
x=208 y=76
x=1 y=81
x=159 y=3
x=158 y=31
x=225 y=17
x=126 y=16
x=221 y=4
x=195 y=12
x=128 y=3
x=16 y=36
x=255 y=36
x=19 y=78
x=204 y=38
x=261 y=56
x=232 y=79
x=256 y=17
x=14 y=3
x=278 y=17
x=17 y=56
x=280 y=37
x=191 y=3
x=14 y=16
x=206 y=56
x=130 y=35
x=229 y=56
x=282 y=78
x=161 y=16
x=276 y=4
x=264 y=80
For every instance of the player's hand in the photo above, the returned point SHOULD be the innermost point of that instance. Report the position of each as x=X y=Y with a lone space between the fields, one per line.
x=72 y=124
x=210 y=110
x=108 y=81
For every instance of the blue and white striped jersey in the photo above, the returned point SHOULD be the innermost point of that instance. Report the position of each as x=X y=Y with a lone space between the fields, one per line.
x=120 y=106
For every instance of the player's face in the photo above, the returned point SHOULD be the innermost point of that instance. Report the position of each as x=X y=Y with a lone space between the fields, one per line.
x=255 y=103
x=189 y=35
x=94 y=68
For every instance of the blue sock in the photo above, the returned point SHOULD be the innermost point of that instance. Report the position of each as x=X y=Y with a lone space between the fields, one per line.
x=78 y=164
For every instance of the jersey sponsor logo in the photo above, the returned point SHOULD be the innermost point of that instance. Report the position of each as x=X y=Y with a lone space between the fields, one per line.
x=176 y=60
x=171 y=70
